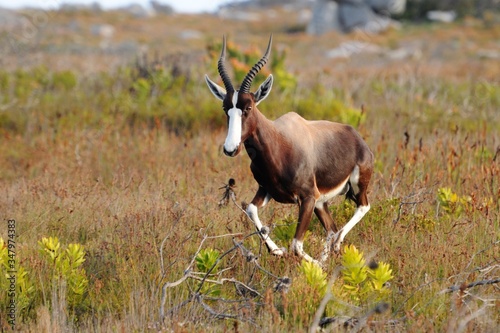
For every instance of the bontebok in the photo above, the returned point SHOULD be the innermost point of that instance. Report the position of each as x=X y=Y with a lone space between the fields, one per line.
x=294 y=160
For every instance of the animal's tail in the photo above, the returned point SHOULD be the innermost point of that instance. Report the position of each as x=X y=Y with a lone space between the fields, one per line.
x=349 y=194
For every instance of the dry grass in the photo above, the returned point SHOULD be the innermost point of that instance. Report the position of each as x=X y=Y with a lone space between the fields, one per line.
x=119 y=194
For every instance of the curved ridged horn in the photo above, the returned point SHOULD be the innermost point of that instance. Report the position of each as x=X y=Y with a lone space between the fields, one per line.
x=222 y=68
x=247 y=81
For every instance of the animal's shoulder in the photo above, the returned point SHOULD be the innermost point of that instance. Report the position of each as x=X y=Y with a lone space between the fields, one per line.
x=290 y=120
x=295 y=122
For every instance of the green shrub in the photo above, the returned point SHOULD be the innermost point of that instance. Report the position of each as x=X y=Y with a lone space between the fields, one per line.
x=285 y=230
x=306 y=293
x=451 y=203
x=360 y=284
x=364 y=283
x=325 y=105
x=207 y=262
x=66 y=267
x=23 y=84
x=64 y=80
x=314 y=276
x=24 y=287
x=142 y=89
x=4 y=82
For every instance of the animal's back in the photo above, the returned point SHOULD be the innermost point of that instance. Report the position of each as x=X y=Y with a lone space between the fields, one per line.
x=325 y=146
x=309 y=133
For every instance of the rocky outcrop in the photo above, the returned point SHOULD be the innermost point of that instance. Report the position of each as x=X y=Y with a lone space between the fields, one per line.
x=346 y=15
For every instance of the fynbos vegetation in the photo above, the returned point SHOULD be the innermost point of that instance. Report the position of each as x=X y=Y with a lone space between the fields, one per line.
x=114 y=180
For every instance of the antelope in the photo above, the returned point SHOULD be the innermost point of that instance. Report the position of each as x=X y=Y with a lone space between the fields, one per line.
x=294 y=161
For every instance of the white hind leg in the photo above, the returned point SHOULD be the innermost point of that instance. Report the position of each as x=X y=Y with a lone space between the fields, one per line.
x=359 y=179
x=358 y=215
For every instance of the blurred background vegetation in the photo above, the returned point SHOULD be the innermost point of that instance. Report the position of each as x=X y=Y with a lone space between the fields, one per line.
x=417 y=9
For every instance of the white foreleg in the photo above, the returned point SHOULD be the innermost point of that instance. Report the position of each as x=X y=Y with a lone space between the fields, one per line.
x=298 y=248
x=254 y=216
x=358 y=215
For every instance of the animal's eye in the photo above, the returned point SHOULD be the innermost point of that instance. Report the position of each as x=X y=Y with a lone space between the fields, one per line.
x=248 y=108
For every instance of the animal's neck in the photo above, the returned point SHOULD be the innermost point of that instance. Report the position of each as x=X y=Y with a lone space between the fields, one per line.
x=266 y=144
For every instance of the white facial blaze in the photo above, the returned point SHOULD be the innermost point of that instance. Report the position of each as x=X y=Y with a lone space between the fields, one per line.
x=233 y=138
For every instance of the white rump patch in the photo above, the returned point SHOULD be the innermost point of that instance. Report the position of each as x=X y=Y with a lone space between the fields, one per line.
x=329 y=195
x=355 y=179
x=233 y=138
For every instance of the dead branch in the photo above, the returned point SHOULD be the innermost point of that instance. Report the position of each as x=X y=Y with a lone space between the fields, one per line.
x=178 y=218
x=406 y=201
x=321 y=309
x=248 y=293
x=228 y=193
x=187 y=274
x=466 y=319
x=214 y=313
x=470 y=285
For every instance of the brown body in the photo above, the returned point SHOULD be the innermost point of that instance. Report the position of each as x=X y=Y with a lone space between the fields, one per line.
x=295 y=160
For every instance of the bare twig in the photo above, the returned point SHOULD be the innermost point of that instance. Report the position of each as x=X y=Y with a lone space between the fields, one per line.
x=406 y=201
x=401 y=204
x=245 y=290
x=187 y=274
x=456 y=287
x=378 y=309
x=228 y=193
x=214 y=313
x=196 y=294
x=215 y=264
x=466 y=319
x=481 y=251
x=178 y=306
x=470 y=285
x=174 y=284
x=250 y=257
x=179 y=216
x=328 y=296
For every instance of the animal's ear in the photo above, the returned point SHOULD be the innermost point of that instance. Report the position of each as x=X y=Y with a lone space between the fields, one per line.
x=217 y=90
x=264 y=89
